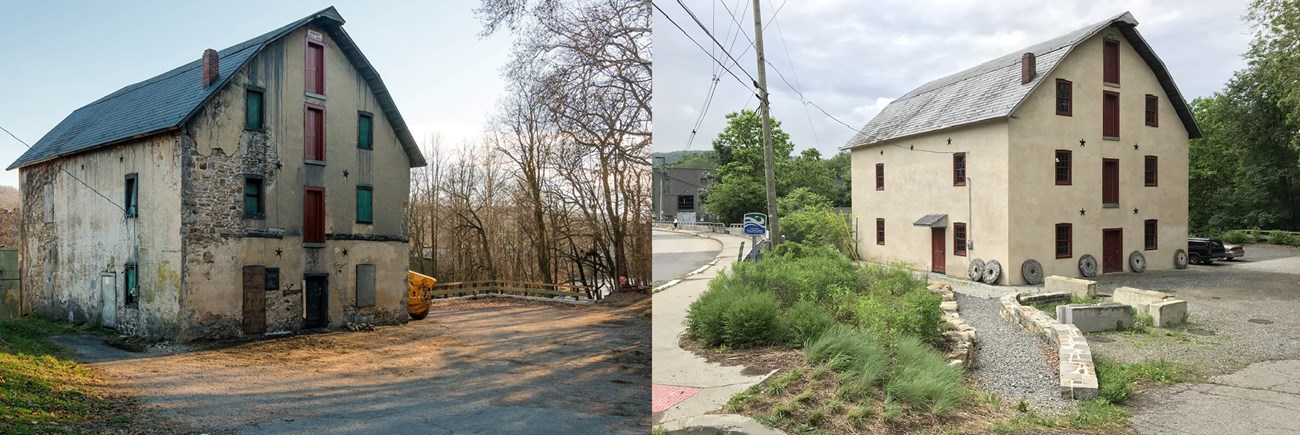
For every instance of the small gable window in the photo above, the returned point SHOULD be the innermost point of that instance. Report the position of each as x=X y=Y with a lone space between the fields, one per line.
x=366 y=131
x=132 y=199
x=1153 y=116
x=253 y=113
x=959 y=169
x=1064 y=101
x=1110 y=62
x=315 y=67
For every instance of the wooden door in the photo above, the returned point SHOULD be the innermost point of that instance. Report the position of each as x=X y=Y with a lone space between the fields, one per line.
x=1112 y=250
x=254 y=312
x=937 y=253
x=317 y=308
x=108 y=288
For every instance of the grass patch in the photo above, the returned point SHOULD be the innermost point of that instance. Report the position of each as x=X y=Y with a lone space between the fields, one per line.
x=1050 y=307
x=1093 y=416
x=42 y=390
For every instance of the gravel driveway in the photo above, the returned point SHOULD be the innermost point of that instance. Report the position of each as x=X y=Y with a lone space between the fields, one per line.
x=470 y=367
x=1009 y=361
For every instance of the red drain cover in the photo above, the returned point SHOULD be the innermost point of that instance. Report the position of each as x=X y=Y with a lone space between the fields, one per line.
x=665 y=396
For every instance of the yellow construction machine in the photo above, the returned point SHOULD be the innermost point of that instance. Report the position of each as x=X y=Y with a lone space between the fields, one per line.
x=419 y=294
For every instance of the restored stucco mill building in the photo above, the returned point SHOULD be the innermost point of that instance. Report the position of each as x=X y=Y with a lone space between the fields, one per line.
x=1066 y=158
x=258 y=189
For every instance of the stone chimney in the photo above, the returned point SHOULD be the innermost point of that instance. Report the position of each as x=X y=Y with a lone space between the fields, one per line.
x=211 y=67
x=1028 y=68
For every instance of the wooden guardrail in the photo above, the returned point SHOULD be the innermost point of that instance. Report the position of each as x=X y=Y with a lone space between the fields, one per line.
x=474 y=288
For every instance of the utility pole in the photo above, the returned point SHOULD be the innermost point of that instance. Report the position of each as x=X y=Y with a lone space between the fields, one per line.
x=774 y=235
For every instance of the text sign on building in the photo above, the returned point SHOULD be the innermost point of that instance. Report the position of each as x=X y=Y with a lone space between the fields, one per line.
x=755 y=224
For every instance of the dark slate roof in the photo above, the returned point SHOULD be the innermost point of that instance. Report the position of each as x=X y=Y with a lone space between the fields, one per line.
x=168 y=101
x=993 y=89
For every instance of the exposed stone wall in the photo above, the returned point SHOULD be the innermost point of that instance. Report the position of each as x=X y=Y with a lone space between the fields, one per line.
x=41 y=245
x=1077 y=373
x=960 y=334
x=211 y=194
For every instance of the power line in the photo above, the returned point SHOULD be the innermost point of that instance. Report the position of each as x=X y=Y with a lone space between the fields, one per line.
x=697 y=44
x=795 y=73
x=65 y=171
x=715 y=40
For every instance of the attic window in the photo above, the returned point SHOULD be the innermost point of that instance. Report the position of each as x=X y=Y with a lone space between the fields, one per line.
x=253 y=118
x=1110 y=62
x=315 y=67
x=1152 y=112
x=365 y=130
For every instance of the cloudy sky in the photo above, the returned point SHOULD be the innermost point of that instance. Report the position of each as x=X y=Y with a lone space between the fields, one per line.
x=853 y=57
x=59 y=56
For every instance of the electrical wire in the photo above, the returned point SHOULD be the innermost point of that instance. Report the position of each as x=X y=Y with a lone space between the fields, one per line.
x=65 y=171
x=697 y=44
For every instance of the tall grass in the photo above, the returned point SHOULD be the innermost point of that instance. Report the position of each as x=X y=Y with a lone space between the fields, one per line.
x=921 y=378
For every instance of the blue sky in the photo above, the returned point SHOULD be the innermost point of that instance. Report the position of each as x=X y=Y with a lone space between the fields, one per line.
x=61 y=55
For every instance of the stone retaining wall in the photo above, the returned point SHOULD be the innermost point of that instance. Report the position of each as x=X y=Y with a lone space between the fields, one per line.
x=1077 y=374
x=960 y=334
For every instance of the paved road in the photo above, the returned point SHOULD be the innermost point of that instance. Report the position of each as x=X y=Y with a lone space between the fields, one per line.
x=679 y=253
x=677 y=373
x=1262 y=399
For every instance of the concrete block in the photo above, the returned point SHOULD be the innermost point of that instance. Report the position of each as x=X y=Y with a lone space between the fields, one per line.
x=1137 y=298
x=1062 y=284
x=1030 y=299
x=1098 y=317
x=1168 y=313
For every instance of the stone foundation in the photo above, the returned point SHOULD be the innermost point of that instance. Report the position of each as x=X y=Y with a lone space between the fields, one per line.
x=959 y=334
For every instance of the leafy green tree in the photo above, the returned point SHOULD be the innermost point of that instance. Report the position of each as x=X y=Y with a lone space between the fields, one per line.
x=732 y=196
x=807 y=171
x=840 y=174
x=800 y=199
x=742 y=141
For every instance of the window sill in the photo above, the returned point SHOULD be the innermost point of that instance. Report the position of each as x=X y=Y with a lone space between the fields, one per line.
x=1150 y=185
x=1114 y=138
x=1150 y=249
x=314 y=95
x=255 y=217
x=255 y=130
x=314 y=162
x=365 y=223
x=1058 y=257
x=958 y=184
x=1110 y=85
x=1110 y=206
x=313 y=244
x=1058 y=183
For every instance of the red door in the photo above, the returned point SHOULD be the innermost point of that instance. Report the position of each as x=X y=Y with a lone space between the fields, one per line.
x=1112 y=250
x=937 y=254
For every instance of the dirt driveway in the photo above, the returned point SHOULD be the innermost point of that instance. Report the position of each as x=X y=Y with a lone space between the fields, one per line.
x=490 y=366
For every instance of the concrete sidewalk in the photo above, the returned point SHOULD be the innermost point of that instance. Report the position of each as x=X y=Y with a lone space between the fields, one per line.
x=708 y=385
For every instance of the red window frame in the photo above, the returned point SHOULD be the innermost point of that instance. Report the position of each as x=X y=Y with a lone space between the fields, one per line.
x=1069 y=168
x=1151 y=235
x=1152 y=111
x=880 y=231
x=1110 y=114
x=313 y=134
x=1110 y=62
x=314 y=68
x=959 y=171
x=1066 y=97
x=1068 y=240
x=313 y=215
x=959 y=239
x=1151 y=171
x=1109 y=184
x=880 y=176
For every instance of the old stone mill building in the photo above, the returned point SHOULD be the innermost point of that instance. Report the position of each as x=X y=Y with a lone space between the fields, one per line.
x=258 y=189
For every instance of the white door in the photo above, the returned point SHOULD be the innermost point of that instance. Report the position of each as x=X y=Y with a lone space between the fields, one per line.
x=108 y=288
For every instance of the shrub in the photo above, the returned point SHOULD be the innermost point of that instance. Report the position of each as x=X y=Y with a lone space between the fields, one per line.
x=916 y=313
x=795 y=272
x=891 y=280
x=1282 y=238
x=857 y=355
x=1236 y=236
x=705 y=319
x=804 y=322
x=921 y=378
x=752 y=320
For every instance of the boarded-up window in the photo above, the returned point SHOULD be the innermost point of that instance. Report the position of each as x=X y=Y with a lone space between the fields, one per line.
x=313 y=215
x=365 y=204
x=1110 y=115
x=315 y=73
x=48 y=196
x=314 y=133
x=1110 y=62
x=365 y=285
x=366 y=131
x=272 y=278
x=253 y=109
x=1110 y=183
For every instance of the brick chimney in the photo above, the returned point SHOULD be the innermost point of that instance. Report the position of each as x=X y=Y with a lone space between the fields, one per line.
x=1028 y=68
x=211 y=67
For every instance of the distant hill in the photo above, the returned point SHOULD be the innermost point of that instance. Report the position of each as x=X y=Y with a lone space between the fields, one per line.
x=9 y=198
x=701 y=159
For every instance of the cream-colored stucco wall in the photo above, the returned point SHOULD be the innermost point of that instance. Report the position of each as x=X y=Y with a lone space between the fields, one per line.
x=90 y=236
x=279 y=69
x=1036 y=133
x=918 y=183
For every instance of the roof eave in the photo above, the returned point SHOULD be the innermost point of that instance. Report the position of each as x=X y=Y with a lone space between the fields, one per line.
x=937 y=130
x=84 y=150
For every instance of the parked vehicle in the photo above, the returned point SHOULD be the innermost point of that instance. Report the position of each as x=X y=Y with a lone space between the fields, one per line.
x=1233 y=251
x=1204 y=251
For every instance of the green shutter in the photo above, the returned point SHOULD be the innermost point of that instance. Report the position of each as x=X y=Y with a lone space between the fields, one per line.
x=365 y=132
x=252 y=198
x=253 y=110
x=365 y=205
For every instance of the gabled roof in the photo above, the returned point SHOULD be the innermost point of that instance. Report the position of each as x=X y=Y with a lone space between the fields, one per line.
x=168 y=101
x=993 y=90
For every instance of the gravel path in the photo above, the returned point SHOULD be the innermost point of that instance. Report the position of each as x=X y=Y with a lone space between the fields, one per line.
x=1010 y=362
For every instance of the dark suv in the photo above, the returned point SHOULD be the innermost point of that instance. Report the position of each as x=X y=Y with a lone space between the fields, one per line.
x=1205 y=251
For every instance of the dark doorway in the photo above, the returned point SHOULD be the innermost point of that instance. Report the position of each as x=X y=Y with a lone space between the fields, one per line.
x=317 y=300
x=937 y=255
x=1112 y=250
x=254 y=321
